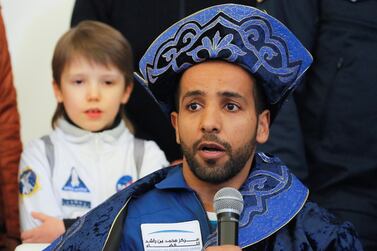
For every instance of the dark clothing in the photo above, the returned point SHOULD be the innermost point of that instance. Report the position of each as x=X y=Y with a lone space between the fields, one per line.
x=141 y=22
x=337 y=108
x=276 y=215
x=10 y=150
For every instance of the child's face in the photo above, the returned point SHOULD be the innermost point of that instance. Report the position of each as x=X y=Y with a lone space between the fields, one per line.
x=92 y=93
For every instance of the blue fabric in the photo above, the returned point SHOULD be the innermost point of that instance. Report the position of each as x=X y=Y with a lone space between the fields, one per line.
x=171 y=202
x=278 y=198
x=315 y=228
x=274 y=217
x=235 y=33
x=213 y=225
x=269 y=190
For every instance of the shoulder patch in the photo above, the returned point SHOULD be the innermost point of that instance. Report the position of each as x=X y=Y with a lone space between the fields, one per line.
x=123 y=182
x=28 y=183
x=75 y=184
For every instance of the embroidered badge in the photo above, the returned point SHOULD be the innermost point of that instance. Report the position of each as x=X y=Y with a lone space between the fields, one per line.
x=76 y=203
x=123 y=182
x=28 y=183
x=75 y=184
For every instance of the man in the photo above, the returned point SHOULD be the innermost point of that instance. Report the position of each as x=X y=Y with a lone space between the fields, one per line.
x=222 y=74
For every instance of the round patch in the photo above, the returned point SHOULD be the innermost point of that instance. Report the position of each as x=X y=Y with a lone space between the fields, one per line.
x=123 y=182
x=28 y=182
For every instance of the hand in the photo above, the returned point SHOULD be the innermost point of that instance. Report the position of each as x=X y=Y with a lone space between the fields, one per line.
x=224 y=248
x=50 y=229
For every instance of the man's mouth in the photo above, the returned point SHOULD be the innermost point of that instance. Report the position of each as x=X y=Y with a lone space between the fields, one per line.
x=210 y=151
x=211 y=147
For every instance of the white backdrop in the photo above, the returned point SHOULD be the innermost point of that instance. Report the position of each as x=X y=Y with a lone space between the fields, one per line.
x=33 y=27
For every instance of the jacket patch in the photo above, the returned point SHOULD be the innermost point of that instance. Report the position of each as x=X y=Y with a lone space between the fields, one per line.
x=28 y=183
x=76 y=203
x=75 y=184
x=172 y=236
x=123 y=182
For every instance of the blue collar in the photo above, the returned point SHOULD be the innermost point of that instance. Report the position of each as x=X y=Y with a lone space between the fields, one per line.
x=174 y=179
x=272 y=197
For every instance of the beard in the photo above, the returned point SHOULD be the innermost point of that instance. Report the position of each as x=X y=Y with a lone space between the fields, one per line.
x=211 y=171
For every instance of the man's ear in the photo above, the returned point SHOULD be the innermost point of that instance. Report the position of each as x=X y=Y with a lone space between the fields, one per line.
x=57 y=92
x=174 y=122
x=127 y=92
x=263 y=127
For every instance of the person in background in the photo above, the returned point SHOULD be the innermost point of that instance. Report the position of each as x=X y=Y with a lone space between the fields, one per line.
x=222 y=74
x=334 y=113
x=10 y=150
x=90 y=154
x=140 y=22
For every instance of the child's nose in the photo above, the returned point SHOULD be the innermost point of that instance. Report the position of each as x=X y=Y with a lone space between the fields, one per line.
x=93 y=91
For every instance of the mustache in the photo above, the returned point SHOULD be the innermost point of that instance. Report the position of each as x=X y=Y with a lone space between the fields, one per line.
x=212 y=138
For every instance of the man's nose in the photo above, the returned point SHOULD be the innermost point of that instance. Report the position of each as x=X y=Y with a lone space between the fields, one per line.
x=211 y=120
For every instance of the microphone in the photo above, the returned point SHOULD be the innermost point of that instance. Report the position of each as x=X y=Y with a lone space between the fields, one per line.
x=228 y=204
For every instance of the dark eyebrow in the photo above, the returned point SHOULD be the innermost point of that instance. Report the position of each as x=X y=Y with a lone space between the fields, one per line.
x=229 y=94
x=193 y=94
x=226 y=94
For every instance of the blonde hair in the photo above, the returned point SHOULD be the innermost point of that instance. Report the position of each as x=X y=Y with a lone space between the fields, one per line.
x=97 y=42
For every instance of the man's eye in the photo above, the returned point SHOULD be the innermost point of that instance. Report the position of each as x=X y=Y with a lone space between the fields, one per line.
x=232 y=107
x=193 y=106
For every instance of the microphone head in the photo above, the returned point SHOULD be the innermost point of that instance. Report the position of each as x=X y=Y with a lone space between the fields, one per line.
x=228 y=200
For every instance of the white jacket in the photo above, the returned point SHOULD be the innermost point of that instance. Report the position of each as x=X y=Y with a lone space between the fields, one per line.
x=88 y=168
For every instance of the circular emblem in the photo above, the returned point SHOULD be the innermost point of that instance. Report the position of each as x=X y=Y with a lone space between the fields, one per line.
x=28 y=182
x=123 y=182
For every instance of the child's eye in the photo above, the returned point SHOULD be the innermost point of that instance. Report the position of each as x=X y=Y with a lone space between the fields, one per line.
x=232 y=107
x=193 y=106
x=78 y=81
x=108 y=82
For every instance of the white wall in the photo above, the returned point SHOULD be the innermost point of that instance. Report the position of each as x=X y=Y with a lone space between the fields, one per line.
x=33 y=27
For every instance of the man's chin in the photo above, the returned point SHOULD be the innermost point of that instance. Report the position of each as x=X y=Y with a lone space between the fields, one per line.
x=214 y=177
x=211 y=172
x=212 y=162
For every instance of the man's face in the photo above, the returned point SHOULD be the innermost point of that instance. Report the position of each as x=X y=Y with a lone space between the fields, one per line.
x=217 y=125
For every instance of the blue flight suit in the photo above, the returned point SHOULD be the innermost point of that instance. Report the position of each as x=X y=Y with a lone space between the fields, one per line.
x=276 y=215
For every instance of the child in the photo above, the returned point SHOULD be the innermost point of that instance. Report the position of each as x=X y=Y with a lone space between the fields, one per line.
x=90 y=154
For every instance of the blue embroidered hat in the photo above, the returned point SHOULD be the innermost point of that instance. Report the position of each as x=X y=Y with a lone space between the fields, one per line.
x=235 y=33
